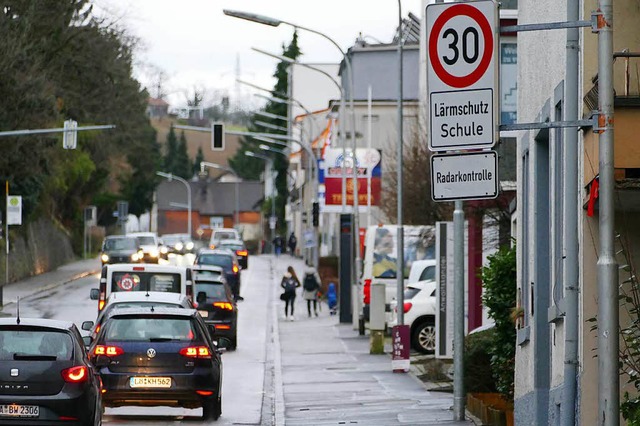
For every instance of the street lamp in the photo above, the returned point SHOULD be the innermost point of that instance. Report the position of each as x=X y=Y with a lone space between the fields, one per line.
x=170 y=177
x=204 y=164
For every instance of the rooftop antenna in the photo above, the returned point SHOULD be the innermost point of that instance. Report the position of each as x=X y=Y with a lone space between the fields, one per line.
x=152 y=310
x=18 y=311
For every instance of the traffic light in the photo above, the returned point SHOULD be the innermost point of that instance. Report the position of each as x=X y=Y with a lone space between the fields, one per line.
x=217 y=136
x=315 y=213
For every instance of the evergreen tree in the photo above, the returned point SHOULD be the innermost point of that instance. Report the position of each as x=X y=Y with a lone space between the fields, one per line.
x=182 y=164
x=199 y=159
x=249 y=167
x=171 y=150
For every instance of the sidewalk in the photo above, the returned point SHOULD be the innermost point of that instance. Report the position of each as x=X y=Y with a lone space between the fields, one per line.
x=48 y=280
x=329 y=377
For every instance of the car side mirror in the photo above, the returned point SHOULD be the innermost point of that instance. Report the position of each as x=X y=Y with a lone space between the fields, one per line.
x=94 y=294
x=102 y=361
x=222 y=344
x=87 y=340
x=87 y=325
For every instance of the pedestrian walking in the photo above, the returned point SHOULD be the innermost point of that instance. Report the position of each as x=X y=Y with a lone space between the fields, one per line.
x=293 y=241
x=332 y=299
x=289 y=284
x=278 y=244
x=311 y=285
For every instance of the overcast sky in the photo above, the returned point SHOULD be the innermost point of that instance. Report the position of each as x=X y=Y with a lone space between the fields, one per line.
x=196 y=45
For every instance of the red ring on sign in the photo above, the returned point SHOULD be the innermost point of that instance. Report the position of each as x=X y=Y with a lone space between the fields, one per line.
x=485 y=27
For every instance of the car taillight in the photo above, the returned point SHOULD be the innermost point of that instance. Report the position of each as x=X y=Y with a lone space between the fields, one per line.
x=101 y=305
x=76 y=374
x=196 y=352
x=242 y=252
x=108 y=350
x=407 y=307
x=235 y=269
x=223 y=327
x=204 y=392
x=367 y=291
x=98 y=328
x=223 y=305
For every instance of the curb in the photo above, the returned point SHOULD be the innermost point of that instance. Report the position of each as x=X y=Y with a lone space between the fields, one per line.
x=279 y=414
x=52 y=286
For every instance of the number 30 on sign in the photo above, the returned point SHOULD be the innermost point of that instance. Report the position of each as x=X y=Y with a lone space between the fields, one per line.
x=462 y=74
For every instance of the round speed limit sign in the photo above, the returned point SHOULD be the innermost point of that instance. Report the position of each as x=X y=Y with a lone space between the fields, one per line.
x=462 y=74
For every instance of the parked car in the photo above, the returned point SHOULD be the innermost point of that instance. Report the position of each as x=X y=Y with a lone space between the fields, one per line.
x=120 y=300
x=420 y=308
x=217 y=306
x=150 y=246
x=178 y=243
x=120 y=249
x=238 y=247
x=45 y=375
x=228 y=261
x=128 y=278
x=159 y=356
x=220 y=234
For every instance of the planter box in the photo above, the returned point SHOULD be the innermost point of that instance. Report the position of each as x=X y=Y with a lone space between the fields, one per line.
x=491 y=408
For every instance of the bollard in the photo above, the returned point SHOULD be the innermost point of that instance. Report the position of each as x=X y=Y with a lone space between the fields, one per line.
x=377 y=318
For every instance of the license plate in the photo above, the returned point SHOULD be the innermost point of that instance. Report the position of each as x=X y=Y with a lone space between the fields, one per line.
x=204 y=314
x=19 y=411
x=150 y=382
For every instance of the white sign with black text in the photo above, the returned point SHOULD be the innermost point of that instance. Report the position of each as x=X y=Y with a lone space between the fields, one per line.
x=468 y=176
x=462 y=75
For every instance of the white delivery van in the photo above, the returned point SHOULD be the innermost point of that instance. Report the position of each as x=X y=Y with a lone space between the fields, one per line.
x=380 y=257
x=130 y=277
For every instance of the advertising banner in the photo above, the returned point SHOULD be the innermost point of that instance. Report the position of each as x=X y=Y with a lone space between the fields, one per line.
x=368 y=164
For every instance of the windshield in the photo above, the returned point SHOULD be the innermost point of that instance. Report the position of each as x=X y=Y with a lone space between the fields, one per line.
x=224 y=235
x=150 y=328
x=428 y=274
x=216 y=259
x=16 y=344
x=146 y=281
x=120 y=244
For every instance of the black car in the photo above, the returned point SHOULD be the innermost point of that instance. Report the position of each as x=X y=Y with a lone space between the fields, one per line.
x=228 y=261
x=217 y=306
x=120 y=249
x=45 y=376
x=158 y=356
x=238 y=247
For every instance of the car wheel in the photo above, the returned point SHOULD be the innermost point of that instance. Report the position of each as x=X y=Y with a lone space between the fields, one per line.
x=212 y=410
x=423 y=338
x=233 y=344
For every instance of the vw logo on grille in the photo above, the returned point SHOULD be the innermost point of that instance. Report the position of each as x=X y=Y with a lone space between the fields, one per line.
x=15 y=372
x=151 y=352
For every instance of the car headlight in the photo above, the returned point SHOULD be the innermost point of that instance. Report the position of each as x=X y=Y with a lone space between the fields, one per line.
x=135 y=257
x=104 y=257
x=154 y=253
x=164 y=250
x=179 y=246
x=190 y=245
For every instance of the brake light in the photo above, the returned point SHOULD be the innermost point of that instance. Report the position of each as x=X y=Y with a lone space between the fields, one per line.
x=68 y=418
x=242 y=252
x=407 y=307
x=223 y=305
x=204 y=393
x=98 y=328
x=223 y=327
x=101 y=305
x=196 y=352
x=138 y=268
x=366 y=290
x=235 y=269
x=108 y=350
x=76 y=374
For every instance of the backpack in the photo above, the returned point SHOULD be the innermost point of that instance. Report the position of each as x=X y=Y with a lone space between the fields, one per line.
x=289 y=285
x=310 y=283
x=292 y=240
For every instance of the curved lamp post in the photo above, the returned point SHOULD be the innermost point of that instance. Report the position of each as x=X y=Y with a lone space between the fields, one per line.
x=170 y=177
x=204 y=164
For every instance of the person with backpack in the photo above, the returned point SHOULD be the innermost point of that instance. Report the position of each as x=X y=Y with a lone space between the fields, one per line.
x=293 y=241
x=289 y=284
x=311 y=285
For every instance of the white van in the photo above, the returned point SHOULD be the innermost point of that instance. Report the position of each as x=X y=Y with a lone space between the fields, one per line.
x=219 y=234
x=130 y=277
x=381 y=252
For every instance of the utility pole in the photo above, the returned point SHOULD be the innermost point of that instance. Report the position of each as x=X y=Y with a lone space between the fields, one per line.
x=608 y=305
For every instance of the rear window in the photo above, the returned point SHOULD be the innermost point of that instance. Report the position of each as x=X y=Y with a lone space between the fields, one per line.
x=429 y=273
x=121 y=244
x=232 y=246
x=147 y=241
x=213 y=291
x=143 y=281
x=150 y=329
x=410 y=292
x=208 y=274
x=34 y=342
x=224 y=235
x=216 y=259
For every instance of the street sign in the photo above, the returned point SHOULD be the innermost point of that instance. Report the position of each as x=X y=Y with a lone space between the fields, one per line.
x=468 y=176
x=462 y=75
x=273 y=220
x=217 y=136
x=14 y=210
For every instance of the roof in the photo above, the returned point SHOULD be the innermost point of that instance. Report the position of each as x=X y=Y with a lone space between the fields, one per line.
x=215 y=251
x=157 y=310
x=38 y=322
x=141 y=296
x=148 y=267
x=210 y=197
x=157 y=102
